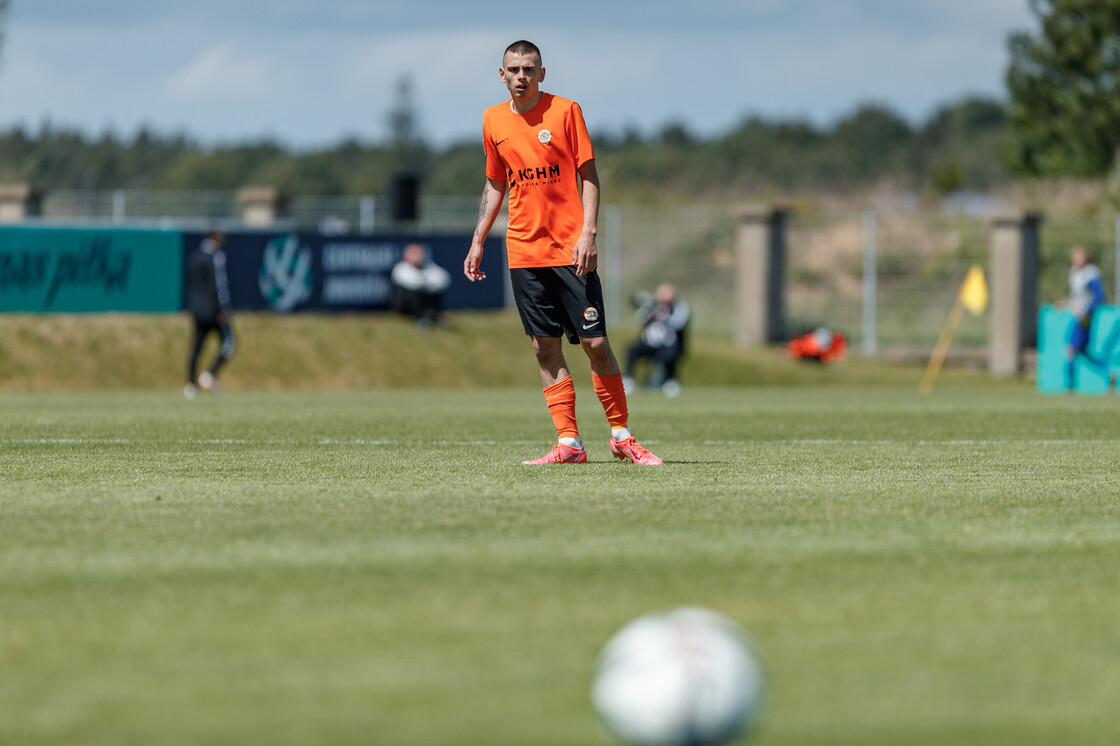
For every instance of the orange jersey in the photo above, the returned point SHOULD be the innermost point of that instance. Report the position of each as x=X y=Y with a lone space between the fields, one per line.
x=538 y=155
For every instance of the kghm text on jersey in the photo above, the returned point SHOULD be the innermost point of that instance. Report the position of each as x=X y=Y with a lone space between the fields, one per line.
x=541 y=172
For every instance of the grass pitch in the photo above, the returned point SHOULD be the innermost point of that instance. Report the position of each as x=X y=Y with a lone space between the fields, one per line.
x=377 y=567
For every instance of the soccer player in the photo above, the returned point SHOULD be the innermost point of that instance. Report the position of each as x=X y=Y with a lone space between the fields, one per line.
x=1086 y=294
x=208 y=302
x=537 y=148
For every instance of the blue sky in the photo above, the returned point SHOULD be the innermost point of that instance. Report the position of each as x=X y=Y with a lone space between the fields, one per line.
x=311 y=72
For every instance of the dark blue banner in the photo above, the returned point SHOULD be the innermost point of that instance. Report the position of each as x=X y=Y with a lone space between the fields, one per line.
x=290 y=272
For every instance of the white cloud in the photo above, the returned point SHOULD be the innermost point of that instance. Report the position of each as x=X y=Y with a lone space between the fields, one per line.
x=312 y=72
x=223 y=73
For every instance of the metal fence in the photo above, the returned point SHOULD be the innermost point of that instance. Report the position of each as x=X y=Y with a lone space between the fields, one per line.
x=691 y=246
x=886 y=279
x=202 y=208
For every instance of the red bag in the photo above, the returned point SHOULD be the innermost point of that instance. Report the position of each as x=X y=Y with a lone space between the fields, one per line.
x=822 y=345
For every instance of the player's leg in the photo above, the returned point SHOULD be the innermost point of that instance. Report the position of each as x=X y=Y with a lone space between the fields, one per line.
x=611 y=390
x=225 y=352
x=432 y=306
x=551 y=363
x=637 y=352
x=200 y=331
x=532 y=292
x=667 y=358
x=405 y=302
x=208 y=379
x=1078 y=341
x=600 y=355
x=560 y=397
x=605 y=373
x=583 y=299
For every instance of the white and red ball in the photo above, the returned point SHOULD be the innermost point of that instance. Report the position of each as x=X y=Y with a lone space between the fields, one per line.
x=685 y=677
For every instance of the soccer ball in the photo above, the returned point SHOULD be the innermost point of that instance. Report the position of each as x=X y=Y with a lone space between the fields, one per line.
x=685 y=677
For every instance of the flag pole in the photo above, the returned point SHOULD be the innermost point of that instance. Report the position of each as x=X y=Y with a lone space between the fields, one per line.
x=973 y=297
x=942 y=349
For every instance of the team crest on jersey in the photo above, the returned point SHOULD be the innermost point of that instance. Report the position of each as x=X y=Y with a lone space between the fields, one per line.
x=591 y=314
x=544 y=136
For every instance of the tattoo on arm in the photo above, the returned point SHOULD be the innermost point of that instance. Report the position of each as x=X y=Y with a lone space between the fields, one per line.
x=481 y=209
x=485 y=195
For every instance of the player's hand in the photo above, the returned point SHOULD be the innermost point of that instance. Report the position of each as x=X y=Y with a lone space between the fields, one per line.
x=585 y=257
x=470 y=264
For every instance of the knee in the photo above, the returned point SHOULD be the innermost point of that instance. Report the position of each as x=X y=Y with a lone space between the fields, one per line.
x=598 y=349
x=547 y=348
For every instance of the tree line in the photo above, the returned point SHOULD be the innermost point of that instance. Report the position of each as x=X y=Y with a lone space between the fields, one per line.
x=959 y=147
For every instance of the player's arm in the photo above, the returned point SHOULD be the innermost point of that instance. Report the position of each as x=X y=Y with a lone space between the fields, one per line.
x=493 y=192
x=221 y=286
x=585 y=256
x=679 y=315
x=1096 y=290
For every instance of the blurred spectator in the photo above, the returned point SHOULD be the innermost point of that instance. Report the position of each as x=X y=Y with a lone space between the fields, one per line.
x=208 y=302
x=664 y=318
x=418 y=286
x=1086 y=294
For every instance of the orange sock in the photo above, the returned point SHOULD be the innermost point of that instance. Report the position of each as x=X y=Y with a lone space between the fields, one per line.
x=613 y=397
x=561 y=400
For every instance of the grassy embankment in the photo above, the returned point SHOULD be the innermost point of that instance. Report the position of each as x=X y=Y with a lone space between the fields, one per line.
x=346 y=352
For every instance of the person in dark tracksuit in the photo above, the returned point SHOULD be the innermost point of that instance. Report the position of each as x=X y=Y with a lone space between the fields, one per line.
x=208 y=302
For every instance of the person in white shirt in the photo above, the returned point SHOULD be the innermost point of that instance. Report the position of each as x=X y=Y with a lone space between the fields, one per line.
x=418 y=286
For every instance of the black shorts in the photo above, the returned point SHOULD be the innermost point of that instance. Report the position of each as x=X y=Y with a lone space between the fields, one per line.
x=555 y=302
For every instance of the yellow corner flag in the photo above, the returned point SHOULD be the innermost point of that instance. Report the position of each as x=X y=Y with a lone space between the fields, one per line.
x=973 y=296
x=974 y=291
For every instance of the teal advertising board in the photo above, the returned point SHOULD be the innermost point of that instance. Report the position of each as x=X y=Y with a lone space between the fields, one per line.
x=90 y=270
x=1092 y=370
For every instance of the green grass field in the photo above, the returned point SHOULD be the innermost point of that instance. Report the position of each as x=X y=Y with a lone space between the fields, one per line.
x=377 y=567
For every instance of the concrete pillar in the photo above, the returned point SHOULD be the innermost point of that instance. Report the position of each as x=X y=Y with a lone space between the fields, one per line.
x=1013 y=273
x=760 y=276
x=261 y=207
x=19 y=202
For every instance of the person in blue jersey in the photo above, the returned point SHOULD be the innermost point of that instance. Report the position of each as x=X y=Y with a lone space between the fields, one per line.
x=1086 y=294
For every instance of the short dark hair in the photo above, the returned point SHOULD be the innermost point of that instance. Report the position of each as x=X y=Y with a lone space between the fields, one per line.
x=523 y=47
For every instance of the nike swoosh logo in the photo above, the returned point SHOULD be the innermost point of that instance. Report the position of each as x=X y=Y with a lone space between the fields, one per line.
x=588 y=326
x=499 y=142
